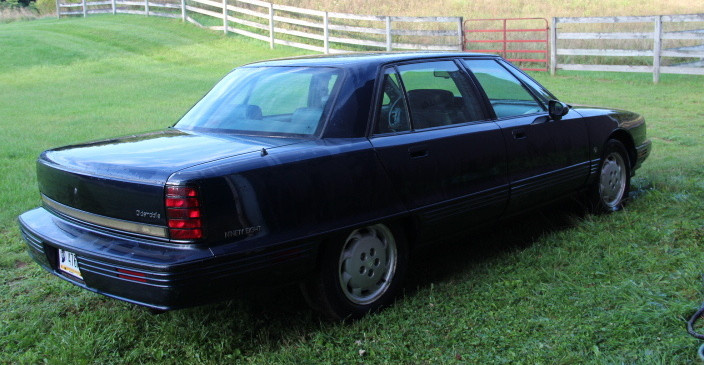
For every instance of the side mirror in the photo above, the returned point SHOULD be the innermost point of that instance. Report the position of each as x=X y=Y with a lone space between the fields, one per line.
x=557 y=109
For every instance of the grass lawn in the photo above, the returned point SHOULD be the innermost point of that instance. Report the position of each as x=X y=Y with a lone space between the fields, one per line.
x=558 y=286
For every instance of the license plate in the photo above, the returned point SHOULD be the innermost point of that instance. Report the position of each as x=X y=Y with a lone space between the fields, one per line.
x=69 y=264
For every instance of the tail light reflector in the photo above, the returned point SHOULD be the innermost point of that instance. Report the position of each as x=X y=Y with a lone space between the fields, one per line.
x=186 y=234
x=183 y=213
x=182 y=191
x=185 y=223
x=182 y=202
x=131 y=275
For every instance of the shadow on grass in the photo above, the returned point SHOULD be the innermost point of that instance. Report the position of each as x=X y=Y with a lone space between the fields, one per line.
x=440 y=261
x=267 y=318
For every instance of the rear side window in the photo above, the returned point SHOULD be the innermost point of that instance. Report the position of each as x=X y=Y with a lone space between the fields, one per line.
x=507 y=95
x=438 y=94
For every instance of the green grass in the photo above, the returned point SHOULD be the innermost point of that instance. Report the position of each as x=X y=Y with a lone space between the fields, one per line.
x=555 y=287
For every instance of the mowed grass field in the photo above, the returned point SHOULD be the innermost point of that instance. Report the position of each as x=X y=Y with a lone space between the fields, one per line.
x=558 y=286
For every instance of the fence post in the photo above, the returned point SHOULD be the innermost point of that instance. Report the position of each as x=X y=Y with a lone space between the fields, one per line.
x=553 y=46
x=183 y=10
x=460 y=32
x=326 y=33
x=146 y=7
x=224 y=16
x=58 y=9
x=388 y=33
x=83 y=2
x=114 y=7
x=657 y=46
x=505 y=39
x=271 y=25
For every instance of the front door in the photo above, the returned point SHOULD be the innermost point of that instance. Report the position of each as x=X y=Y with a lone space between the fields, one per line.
x=438 y=146
x=546 y=158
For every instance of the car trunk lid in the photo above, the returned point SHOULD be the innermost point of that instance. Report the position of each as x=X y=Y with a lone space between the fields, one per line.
x=124 y=178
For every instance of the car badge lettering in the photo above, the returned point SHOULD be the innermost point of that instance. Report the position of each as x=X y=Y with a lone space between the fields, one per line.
x=242 y=231
x=145 y=214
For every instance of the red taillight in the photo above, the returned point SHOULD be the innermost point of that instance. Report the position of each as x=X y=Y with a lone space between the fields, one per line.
x=181 y=202
x=181 y=191
x=183 y=213
x=186 y=234
x=131 y=275
x=185 y=223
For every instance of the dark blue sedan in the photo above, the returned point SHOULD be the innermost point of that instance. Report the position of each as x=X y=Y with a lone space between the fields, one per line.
x=328 y=171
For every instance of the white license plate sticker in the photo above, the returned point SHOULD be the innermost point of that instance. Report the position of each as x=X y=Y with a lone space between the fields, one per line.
x=69 y=264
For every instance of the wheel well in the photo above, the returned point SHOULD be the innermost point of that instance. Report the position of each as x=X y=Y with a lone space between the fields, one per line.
x=405 y=224
x=625 y=138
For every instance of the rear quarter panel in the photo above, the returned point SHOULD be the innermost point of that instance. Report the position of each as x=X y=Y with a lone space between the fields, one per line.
x=291 y=194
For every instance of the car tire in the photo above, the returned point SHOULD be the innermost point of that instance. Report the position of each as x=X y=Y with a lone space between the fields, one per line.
x=610 y=191
x=359 y=272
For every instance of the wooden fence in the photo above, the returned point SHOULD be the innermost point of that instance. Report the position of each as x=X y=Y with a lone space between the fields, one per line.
x=693 y=37
x=655 y=44
x=314 y=30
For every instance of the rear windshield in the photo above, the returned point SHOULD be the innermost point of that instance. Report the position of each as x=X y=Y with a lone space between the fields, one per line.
x=266 y=100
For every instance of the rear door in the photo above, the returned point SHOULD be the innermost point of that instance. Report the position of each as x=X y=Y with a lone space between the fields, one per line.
x=546 y=158
x=438 y=145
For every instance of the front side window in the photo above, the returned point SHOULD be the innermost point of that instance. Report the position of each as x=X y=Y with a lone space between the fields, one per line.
x=507 y=95
x=439 y=94
x=542 y=93
x=266 y=100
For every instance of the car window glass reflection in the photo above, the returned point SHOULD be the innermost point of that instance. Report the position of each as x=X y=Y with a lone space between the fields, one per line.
x=542 y=93
x=393 y=115
x=439 y=94
x=266 y=100
x=507 y=95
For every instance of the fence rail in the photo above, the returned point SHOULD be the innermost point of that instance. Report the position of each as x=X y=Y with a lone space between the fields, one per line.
x=666 y=36
x=656 y=52
x=293 y=26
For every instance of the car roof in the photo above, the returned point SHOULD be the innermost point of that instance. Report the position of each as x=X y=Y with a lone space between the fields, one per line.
x=355 y=60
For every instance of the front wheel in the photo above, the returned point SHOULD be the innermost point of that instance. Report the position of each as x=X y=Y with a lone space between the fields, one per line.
x=359 y=272
x=610 y=191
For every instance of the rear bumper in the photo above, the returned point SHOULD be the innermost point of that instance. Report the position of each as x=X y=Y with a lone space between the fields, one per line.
x=159 y=275
x=642 y=152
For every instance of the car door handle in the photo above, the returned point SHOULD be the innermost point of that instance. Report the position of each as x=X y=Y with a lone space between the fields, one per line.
x=519 y=134
x=418 y=152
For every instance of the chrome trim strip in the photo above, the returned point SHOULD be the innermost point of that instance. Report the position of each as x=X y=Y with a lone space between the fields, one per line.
x=113 y=223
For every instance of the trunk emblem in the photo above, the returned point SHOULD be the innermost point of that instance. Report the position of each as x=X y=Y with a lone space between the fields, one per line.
x=145 y=214
x=243 y=231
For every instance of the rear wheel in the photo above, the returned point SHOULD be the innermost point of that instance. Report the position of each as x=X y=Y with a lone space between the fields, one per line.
x=360 y=272
x=610 y=191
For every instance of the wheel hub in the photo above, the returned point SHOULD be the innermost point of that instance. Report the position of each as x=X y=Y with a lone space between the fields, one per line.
x=612 y=182
x=367 y=264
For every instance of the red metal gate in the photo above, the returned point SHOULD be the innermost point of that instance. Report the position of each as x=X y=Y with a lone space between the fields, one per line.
x=480 y=35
